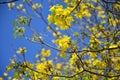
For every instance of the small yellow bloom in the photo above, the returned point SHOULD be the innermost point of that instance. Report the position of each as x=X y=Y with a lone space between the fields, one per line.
x=95 y=77
x=21 y=50
x=43 y=59
x=99 y=64
x=45 y=53
x=20 y=6
x=50 y=18
x=87 y=13
x=63 y=55
x=34 y=7
x=8 y=68
x=59 y=66
x=66 y=1
x=11 y=5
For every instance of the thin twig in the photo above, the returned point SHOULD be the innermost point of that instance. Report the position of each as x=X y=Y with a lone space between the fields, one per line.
x=8 y=2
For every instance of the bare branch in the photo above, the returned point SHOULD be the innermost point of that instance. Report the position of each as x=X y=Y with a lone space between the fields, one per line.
x=8 y=2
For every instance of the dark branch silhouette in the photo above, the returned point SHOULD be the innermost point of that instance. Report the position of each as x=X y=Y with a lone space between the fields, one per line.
x=8 y=2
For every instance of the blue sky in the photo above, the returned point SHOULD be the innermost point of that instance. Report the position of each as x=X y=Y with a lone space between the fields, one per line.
x=6 y=40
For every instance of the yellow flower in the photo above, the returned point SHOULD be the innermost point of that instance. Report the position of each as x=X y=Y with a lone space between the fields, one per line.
x=92 y=54
x=73 y=59
x=11 y=5
x=87 y=13
x=100 y=14
x=95 y=77
x=63 y=42
x=43 y=59
x=45 y=53
x=41 y=67
x=59 y=66
x=45 y=67
x=50 y=18
x=83 y=11
x=63 y=55
x=8 y=68
x=99 y=64
x=21 y=50
x=60 y=16
x=34 y=7
x=20 y=6
x=117 y=66
x=66 y=1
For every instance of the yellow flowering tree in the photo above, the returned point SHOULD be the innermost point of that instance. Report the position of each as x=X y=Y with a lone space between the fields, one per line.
x=83 y=40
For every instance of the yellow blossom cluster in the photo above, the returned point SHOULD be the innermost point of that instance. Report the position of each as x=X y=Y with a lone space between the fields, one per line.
x=83 y=11
x=95 y=31
x=45 y=53
x=44 y=68
x=21 y=8
x=99 y=64
x=60 y=16
x=36 y=6
x=63 y=42
x=73 y=59
x=116 y=62
x=94 y=42
x=91 y=51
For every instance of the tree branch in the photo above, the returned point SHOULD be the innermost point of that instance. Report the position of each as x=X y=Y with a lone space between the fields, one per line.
x=99 y=50
x=109 y=76
x=8 y=2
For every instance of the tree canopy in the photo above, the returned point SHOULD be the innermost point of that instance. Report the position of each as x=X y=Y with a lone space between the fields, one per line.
x=82 y=43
